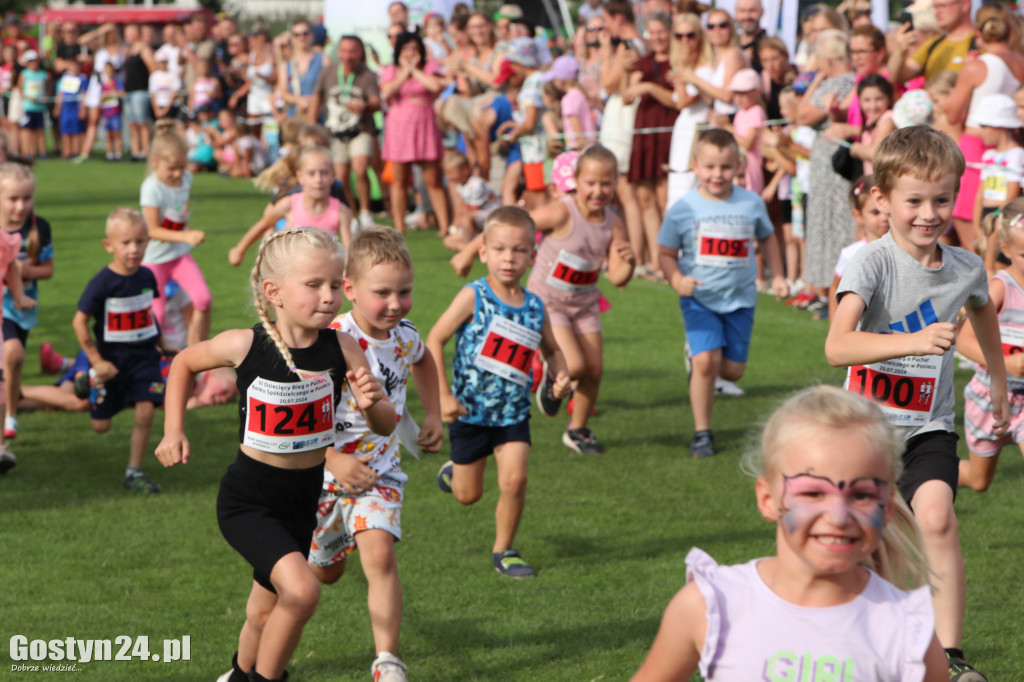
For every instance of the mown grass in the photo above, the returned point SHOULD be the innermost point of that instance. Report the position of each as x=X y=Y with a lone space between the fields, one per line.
x=83 y=558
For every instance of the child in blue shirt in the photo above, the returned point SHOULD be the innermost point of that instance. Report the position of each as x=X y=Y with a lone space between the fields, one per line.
x=70 y=91
x=499 y=326
x=706 y=247
x=111 y=92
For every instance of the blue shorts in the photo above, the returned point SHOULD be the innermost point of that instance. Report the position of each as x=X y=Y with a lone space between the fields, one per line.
x=136 y=381
x=32 y=120
x=137 y=107
x=112 y=124
x=81 y=364
x=472 y=442
x=70 y=124
x=707 y=330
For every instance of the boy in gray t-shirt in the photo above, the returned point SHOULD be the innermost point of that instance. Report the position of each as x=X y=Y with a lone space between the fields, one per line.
x=894 y=328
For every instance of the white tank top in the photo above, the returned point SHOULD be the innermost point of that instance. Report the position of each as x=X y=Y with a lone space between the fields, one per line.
x=754 y=634
x=998 y=80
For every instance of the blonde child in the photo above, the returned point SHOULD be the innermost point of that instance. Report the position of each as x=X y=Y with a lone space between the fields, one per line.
x=847 y=552
x=895 y=327
x=706 y=249
x=124 y=344
x=251 y=156
x=1002 y=164
x=291 y=369
x=364 y=485
x=312 y=207
x=938 y=89
x=472 y=200
x=10 y=245
x=499 y=326
x=1006 y=291
x=205 y=87
x=434 y=37
x=871 y=222
x=781 y=153
x=111 y=94
x=876 y=97
x=581 y=233
x=32 y=234
x=577 y=117
x=748 y=124
x=32 y=84
x=165 y=205
x=551 y=119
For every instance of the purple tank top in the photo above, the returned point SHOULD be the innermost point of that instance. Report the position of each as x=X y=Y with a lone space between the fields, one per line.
x=754 y=634
x=567 y=268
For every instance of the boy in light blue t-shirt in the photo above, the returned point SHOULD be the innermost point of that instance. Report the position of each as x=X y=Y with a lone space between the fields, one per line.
x=707 y=254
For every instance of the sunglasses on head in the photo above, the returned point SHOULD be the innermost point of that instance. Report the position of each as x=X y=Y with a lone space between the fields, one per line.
x=686 y=36
x=721 y=24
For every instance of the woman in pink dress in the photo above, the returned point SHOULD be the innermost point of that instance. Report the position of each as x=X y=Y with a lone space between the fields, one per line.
x=411 y=133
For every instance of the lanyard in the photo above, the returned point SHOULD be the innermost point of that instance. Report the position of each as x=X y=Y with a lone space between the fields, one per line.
x=345 y=83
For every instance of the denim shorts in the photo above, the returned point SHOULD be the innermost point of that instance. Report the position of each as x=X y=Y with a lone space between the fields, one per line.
x=137 y=108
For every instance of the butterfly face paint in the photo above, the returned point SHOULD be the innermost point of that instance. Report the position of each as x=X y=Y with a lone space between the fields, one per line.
x=806 y=496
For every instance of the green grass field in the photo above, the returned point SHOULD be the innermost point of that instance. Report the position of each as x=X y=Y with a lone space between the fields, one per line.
x=83 y=558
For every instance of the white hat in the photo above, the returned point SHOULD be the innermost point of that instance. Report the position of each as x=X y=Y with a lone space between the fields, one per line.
x=997 y=111
x=29 y=56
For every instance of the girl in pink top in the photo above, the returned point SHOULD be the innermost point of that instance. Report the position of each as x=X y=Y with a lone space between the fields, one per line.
x=875 y=96
x=748 y=122
x=312 y=207
x=205 y=88
x=831 y=602
x=581 y=233
x=577 y=116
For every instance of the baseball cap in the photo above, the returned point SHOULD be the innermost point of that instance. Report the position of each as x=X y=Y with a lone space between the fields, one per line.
x=997 y=111
x=745 y=80
x=564 y=68
x=509 y=11
x=523 y=51
x=29 y=56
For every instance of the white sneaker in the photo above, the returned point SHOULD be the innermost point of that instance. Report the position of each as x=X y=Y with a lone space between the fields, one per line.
x=366 y=219
x=726 y=387
x=412 y=220
x=354 y=227
x=388 y=668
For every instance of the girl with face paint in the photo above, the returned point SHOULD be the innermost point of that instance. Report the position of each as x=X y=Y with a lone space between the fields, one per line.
x=833 y=601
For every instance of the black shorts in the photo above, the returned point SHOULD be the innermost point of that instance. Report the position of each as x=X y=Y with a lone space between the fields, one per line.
x=929 y=456
x=12 y=331
x=265 y=512
x=472 y=442
x=786 y=210
x=137 y=381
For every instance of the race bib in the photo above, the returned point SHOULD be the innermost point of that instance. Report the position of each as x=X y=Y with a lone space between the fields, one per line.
x=33 y=88
x=995 y=187
x=903 y=387
x=574 y=274
x=508 y=350
x=289 y=417
x=1013 y=339
x=174 y=220
x=69 y=86
x=126 y=320
x=723 y=246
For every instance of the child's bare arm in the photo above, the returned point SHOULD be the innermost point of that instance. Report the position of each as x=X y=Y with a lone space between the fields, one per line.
x=986 y=328
x=344 y=226
x=462 y=262
x=675 y=654
x=14 y=279
x=460 y=310
x=770 y=249
x=424 y=373
x=684 y=285
x=621 y=259
x=551 y=217
x=845 y=346
x=103 y=369
x=152 y=216
x=366 y=389
x=270 y=217
x=227 y=349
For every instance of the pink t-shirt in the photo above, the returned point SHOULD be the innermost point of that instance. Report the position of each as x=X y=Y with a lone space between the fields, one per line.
x=745 y=121
x=574 y=103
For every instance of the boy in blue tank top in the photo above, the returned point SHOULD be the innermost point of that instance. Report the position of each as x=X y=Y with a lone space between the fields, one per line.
x=498 y=326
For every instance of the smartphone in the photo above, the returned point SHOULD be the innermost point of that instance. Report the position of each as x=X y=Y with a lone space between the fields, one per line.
x=906 y=18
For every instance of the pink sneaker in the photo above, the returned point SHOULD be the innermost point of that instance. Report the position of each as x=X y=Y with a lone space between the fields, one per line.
x=50 y=361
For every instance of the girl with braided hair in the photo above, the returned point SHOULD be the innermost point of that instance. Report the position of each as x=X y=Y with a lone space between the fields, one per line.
x=290 y=369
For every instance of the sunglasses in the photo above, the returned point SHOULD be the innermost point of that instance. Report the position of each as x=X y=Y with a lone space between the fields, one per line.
x=686 y=36
x=722 y=24
x=300 y=34
x=393 y=36
x=594 y=29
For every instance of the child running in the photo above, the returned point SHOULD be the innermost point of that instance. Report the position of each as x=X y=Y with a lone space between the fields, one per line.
x=1006 y=291
x=581 y=233
x=364 y=485
x=312 y=207
x=498 y=327
x=10 y=245
x=290 y=375
x=706 y=252
x=832 y=599
x=18 y=218
x=871 y=222
x=164 y=198
x=894 y=329
x=124 y=345
x=1000 y=178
